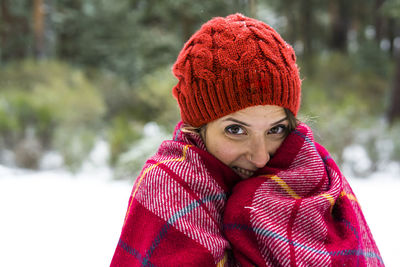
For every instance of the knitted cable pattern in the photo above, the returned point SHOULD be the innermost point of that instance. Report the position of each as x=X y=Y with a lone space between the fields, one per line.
x=232 y=63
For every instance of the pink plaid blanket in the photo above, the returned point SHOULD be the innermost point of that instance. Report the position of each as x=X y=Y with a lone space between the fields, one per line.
x=189 y=209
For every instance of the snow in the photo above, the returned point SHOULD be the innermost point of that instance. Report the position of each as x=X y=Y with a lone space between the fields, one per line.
x=377 y=196
x=54 y=218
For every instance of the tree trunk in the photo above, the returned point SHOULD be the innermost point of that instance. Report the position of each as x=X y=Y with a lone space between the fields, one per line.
x=253 y=8
x=394 y=108
x=38 y=27
x=379 y=20
x=391 y=34
x=340 y=23
x=306 y=27
x=44 y=37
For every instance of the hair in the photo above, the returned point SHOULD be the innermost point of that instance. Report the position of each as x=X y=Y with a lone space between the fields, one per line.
x=292 y=124
x=293 y=121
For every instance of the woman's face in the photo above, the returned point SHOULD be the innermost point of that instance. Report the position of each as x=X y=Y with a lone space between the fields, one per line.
x=247 y=139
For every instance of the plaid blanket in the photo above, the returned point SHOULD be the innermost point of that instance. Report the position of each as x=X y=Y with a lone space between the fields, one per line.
x=189 y=209
x=298 y=211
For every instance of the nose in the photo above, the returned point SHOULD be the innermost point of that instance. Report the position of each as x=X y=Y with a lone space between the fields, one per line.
x=258 y=153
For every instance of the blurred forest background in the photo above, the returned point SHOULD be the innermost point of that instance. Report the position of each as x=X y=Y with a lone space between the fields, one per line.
x=73 y=72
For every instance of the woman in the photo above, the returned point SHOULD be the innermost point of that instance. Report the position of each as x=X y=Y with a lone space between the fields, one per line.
x=242 y=183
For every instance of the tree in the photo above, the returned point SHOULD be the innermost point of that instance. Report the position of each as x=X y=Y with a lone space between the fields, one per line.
x=38 y=27
x=394 y=106
x=340 y=12
x=391 y=9
x=14 y=29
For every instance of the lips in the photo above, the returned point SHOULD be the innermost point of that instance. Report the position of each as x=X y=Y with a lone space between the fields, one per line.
x=243 y=173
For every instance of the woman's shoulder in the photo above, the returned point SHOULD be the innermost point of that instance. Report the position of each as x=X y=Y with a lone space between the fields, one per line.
x=184 y=147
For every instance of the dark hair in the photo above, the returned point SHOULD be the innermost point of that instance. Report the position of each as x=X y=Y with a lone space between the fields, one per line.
x=292 y=121
x=292 y=124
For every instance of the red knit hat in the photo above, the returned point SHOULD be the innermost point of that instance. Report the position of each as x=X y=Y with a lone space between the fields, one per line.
x=232 y=63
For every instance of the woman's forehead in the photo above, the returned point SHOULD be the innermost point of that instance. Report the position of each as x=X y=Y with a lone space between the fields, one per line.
x=265 y=112
x=255 y=116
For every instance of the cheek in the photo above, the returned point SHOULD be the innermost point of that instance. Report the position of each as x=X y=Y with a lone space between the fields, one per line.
x=275 y=145
x=222 y=150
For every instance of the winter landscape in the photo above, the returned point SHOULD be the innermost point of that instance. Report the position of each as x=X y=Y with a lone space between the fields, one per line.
x=84 y=84
x=53 y=218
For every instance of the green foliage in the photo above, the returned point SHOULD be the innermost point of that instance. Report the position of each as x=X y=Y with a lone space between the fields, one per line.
x=47 y=96
x=342 y=96
x=346 y=82
x=74 y=144
x=118 y=95
x=371 y=60
x=118 y=38
x=391 y=8
x=131 y=38
x=14 y=29
x=130 y=163
x=394 y=137
x=381 y=144
x=129 y=108
x=19 y=111
x=125 y=49
x=121 y=135
x=156 y=100
x=9 y=125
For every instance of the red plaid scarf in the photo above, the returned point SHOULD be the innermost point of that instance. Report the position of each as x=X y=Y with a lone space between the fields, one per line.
x=298 y=211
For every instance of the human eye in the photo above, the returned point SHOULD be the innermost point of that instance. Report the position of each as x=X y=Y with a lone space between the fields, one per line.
x=280 y=129
x=235 y=129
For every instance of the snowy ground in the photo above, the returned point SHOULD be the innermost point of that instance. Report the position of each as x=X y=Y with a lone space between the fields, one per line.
x=51 y=218
x=379 y=198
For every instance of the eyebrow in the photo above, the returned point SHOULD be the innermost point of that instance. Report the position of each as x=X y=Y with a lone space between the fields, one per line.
x=237 y=121
x=246 y=124
x=281 y=120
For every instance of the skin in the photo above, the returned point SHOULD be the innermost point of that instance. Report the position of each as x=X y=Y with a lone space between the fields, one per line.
x=247 y=139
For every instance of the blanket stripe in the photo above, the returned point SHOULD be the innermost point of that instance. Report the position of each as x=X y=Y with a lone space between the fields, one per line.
x=145 y=171
x=283 y=185
x=269 y=233
x=181 y=205
x=302 y=213
x=189 y=209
